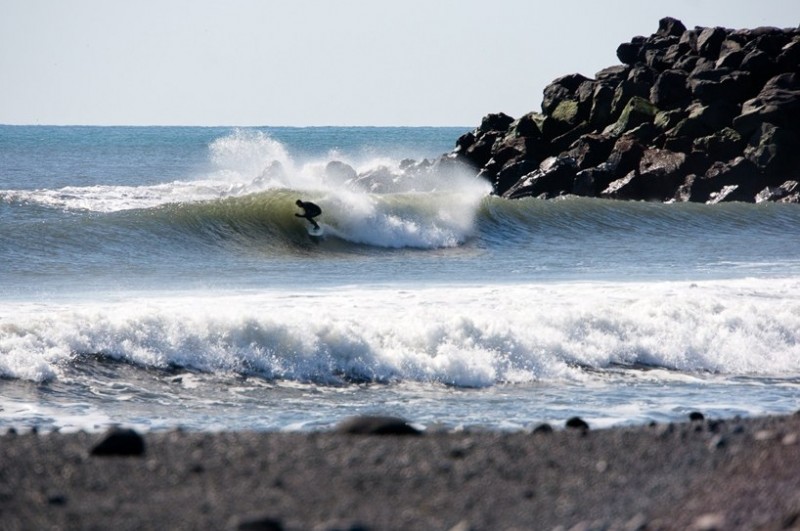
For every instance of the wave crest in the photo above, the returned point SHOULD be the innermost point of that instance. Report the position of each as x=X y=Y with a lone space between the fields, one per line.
x=254 y=181
x=462 y=336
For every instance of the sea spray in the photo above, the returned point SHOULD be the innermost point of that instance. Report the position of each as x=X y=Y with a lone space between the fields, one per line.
x=424 y=210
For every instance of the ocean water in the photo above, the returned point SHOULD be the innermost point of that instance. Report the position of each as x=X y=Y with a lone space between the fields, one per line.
x=156 y=277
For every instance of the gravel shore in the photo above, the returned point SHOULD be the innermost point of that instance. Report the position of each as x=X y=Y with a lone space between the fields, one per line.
x=702 y=474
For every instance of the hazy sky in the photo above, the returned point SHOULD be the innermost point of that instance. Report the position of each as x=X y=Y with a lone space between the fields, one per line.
x=318 y=62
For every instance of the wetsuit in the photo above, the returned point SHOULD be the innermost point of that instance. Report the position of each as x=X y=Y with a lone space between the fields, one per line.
x=310 y=211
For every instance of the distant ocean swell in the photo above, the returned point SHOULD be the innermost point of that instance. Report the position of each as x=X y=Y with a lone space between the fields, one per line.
x=487 y=336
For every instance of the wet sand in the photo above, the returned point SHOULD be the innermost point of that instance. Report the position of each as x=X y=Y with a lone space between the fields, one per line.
x=704 y=474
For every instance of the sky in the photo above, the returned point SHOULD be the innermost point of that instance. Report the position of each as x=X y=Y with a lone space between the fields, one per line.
x=318 y=62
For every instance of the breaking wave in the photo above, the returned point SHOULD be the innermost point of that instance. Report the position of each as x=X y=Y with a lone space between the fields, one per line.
x=462 y=336
x=253 y=186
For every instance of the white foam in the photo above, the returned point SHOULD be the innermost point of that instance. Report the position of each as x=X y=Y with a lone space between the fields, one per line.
x=426 y=210
x=404 y=220
x=460 y=335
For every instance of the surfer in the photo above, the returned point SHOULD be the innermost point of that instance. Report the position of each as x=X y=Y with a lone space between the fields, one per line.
x=310 y=211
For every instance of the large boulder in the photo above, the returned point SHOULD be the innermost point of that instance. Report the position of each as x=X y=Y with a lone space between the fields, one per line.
x=776 y=153
x=512 y=158
x=709 y=42
x=788 y=192
x=725 y=144
x=564 y=117
x=528 y=126
x=656 y=179
x=670 y=90
x=715 y=185
x=560 y=89
x=479 y=151
x=554 y=177
x=590 y=150
x=639 y=83
x=628 y=52
x=602 y=105
x=661 y=171
x=495 y=122
x=712 y=85
x=624 y=158
x=591 y=181
x=669 y=26
x=636 y=112
x=789 y=56
x=778 y=103
x=511 y=174
x=628 y=187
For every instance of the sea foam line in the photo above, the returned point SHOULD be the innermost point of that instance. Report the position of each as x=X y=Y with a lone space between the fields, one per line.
x=458 y=335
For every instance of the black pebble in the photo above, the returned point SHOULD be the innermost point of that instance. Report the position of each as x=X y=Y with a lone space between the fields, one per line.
x=260 y=523
x=577 y=423
x=696 y=415
x=120 y=442
x=57 y=499
x=369 y=425
x=543 y=428
x=458 y=453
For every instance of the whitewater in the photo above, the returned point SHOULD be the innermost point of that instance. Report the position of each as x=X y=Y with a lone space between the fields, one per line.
x=158 y=278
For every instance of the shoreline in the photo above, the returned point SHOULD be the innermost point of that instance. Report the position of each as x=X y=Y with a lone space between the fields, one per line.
x=700 y=474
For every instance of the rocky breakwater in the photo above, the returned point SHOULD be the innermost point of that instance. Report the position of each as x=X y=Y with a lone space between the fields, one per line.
x=703 y=115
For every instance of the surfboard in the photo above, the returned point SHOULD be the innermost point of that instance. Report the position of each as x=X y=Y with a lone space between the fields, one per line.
x=316 y=232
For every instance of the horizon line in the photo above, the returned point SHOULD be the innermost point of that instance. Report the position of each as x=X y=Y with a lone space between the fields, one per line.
x=2 y=124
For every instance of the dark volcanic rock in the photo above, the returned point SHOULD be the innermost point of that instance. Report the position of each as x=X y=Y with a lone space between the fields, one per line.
x=591 y=150
x=660 y=172
x=636 y=112
x=544 y=428
x=495 y=122
x=369 y=425
x=670 y=89
x=527 y=126
x=656 y=179
x=669 y=26
x=628 y=52
x=120 y=442
x=554 y=177
x=560 y=90
x=511 y=174
x=778 y=103
x=709 y=42
x=725 y=144
x=708 y=114
x=712 y=186
x=773 y=150
x=258 y=523
x=624 y=157
x=788 y=192
x=577 y=423
x=591 y=181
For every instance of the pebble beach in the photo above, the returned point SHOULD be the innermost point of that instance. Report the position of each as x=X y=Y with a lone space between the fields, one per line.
x=700 y=474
